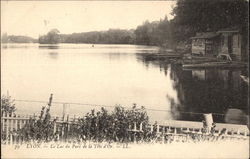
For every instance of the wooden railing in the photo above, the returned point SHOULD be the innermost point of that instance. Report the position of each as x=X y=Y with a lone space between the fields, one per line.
x=177 y=130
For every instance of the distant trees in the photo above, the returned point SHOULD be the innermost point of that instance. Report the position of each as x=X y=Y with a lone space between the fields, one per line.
x=52 y=37
x=16 y=39
x=112 y=36
x=190 y=16
x=154 y=33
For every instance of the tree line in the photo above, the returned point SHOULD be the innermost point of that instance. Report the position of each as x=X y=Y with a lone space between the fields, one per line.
x=17 y=39
x=190 y=16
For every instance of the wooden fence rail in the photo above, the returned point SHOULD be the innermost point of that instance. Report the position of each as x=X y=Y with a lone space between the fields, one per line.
x=11 y=123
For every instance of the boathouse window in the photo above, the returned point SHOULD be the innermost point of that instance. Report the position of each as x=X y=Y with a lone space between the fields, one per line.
x=197 y=42
x=236 y=41
x=222 y=40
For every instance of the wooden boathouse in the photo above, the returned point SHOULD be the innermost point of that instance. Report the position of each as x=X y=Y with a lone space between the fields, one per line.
x=225 y=42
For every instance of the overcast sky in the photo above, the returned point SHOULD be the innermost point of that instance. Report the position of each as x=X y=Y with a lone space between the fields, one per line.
x=33 y=18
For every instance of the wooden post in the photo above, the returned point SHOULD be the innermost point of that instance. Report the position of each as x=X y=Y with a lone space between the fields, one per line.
x=245 y=133
x=16 y=124
x=7 y=129
x=175 y=131
x=68 y=123
x=62 y=133
x=141 y=127
x=50 y=100
x=238 y=132
x=20 y=124
x=65 y=111
x=54 y=129
x=67 y=128
x=226 y=132
x=16 y=131
x=163 y=135
x=158 y=128
x=3 y=128
x=199 y=132
x=129 y=127
x=208 y=121
x=11 y=128
x=134 y=132
x=134 y=126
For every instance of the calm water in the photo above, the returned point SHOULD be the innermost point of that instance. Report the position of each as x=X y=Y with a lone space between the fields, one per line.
x=115 y=74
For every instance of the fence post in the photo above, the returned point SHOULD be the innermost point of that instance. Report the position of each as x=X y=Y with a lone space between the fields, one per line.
x=151 y=128
x=163 y=134
x=68 y=121
x=134 y=132
x=3 y=128
x=158 y=128
x=16 y=129
x=67 y=128
x=11 y=128
x=245 y=133
x=54 y=130
x=65 y=111
x=208 y=121
x=134 y=126
x=7 y=128
x=20 y=127
x=62 y=133
x=141 y=127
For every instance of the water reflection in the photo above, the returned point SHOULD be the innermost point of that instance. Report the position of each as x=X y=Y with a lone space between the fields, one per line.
x=205 y=91
x=48 y=46
x=53 y=55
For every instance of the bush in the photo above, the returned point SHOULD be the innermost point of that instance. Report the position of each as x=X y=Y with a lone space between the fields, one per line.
x=41 y=129
x=97 y=126
x=7 y=104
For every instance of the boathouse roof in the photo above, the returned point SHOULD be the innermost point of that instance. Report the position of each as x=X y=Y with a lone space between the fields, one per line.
x=229 y=30
x=205 y=35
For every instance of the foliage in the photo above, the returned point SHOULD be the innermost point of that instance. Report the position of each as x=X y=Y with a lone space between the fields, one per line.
x=154 y=33
x=17 y=39
x=112 y=36
x=97 y=126
x=40 y=129
x=52 y=37
x=193 y=16
x=7 y=104
x=101 y=125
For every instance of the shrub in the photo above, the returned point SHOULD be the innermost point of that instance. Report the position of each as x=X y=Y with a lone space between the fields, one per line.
x=7 y=104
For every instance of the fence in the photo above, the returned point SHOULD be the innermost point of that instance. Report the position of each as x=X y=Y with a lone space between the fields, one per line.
x=176 y=130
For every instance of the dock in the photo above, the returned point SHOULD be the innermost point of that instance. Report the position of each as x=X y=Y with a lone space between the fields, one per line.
x=216 y=65
x=162 y=56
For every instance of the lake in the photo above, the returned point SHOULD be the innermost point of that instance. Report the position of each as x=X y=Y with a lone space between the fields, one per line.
x=84 y=76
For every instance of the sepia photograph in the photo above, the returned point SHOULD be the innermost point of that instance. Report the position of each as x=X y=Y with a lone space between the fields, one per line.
x=124 y=79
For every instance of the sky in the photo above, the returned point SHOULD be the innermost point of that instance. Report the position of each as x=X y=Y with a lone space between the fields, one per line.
x=34 y=18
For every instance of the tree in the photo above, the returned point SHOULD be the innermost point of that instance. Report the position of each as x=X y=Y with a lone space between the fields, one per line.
x=52 y=37
x=193 y=16
x=4 y=38
x=7 y=104
x=154 y=33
